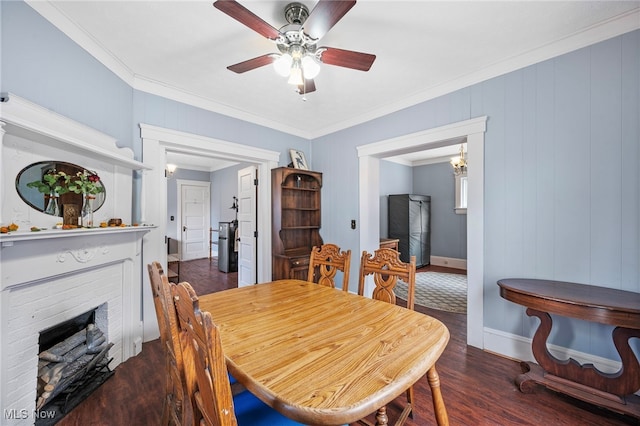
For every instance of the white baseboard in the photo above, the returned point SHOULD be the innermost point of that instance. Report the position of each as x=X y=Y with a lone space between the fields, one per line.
x=449 y=262
x=519 y=348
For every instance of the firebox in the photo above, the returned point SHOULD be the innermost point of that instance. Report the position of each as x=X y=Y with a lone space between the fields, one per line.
x=73 y=361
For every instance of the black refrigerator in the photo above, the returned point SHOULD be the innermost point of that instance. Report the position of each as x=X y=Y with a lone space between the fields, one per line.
x=410 y=223
x=227 y=254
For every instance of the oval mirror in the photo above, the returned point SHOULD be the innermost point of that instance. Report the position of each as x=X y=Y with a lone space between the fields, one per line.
x=39 y=182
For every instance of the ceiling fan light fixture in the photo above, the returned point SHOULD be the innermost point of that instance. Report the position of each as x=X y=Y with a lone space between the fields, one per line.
x=299 y=59
x=282 y=65
x=295 y=77
x=310 y=66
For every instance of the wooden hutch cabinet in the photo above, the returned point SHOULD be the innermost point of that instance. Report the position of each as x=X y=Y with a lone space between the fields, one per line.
x=296 y=215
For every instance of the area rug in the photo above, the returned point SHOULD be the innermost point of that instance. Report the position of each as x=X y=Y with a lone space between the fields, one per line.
x=436 y=290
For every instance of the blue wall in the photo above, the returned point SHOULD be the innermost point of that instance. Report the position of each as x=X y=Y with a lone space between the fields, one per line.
x=162 y=112
x=224 y=186
x=448 y=229
x=172 y=197
x=41 y=64
x=562 y=185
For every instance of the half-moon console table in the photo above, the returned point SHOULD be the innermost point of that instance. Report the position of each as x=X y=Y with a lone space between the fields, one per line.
x=614 y=391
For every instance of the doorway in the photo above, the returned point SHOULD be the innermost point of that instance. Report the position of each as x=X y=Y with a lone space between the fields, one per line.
x=194 y=218
x=369 y=181
x=153 y=197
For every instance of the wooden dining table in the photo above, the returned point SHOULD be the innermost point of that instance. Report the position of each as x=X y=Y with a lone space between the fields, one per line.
x=322 y=356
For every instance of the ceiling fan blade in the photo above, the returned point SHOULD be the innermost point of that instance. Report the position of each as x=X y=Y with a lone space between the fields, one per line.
x=324 y=16
x=308 y=87
x=246 y=17
x=347 y=58
x=251 y=64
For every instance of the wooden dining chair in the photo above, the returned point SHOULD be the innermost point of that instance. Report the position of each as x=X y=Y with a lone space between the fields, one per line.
x=387 y=268
x=206 y=371
x=176 y=408
x=325 y=262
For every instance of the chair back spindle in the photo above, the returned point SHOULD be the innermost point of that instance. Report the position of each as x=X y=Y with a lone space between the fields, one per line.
x=324 y=263
x=387 y=268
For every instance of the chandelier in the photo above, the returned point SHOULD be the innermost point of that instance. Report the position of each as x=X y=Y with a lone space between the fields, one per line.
x=459 y=163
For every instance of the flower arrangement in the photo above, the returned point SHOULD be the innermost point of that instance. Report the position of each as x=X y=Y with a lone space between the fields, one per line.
x=85 y=182
x=52 y=182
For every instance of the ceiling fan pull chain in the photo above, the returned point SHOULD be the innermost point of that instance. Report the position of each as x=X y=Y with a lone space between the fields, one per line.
x=304 y=87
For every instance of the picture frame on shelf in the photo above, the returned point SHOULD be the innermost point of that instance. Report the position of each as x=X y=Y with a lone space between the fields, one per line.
x=298 y=160
x=71 y=213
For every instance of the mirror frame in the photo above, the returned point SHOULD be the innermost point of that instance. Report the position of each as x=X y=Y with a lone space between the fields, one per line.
x=37 y=200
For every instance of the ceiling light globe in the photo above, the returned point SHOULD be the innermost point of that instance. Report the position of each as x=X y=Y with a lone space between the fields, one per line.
x=311 y=67
x=296 y=76
x=282 y=65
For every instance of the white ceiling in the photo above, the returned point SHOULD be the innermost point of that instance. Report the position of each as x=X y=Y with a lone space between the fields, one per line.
x=180 y=50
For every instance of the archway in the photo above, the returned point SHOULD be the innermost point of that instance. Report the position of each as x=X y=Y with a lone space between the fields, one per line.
x=369 y=190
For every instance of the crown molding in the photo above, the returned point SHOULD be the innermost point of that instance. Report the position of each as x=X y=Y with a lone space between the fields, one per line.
x=601 y=31
x=61 y=21
x=160 y=89
x=605 y=30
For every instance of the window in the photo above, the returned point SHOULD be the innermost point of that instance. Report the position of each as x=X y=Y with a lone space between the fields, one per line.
x=461 y=193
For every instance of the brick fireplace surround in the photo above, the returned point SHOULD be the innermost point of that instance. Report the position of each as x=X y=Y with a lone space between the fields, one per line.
x=53 y=275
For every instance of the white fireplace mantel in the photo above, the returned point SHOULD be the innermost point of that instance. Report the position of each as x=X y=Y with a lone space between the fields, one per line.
x=33 y=122
x=51 y=275
x=8 y=239
x=51 y=278
x=64 y=252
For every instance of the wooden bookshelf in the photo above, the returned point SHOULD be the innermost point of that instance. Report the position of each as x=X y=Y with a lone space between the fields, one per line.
x=296 y=215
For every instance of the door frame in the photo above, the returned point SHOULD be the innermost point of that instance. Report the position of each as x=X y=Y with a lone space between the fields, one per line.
x=369 y=202
x=156 y=141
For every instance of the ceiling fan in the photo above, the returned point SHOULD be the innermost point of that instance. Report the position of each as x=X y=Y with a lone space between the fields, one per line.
x=299 y=57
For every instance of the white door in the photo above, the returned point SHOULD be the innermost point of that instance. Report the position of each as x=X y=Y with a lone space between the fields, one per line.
x=247 y=229
x=195 y=212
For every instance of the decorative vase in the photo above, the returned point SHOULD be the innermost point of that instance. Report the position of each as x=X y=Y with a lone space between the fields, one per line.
x=87 y=211
x=53 y=207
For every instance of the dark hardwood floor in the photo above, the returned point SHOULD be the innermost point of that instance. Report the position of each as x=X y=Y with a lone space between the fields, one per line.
x=477 y=386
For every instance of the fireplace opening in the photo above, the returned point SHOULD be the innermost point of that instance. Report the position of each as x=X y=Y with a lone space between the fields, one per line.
x=73 y=361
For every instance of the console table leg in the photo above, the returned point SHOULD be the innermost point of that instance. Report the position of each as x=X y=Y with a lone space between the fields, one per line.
x=614 y=391
x=532 y=374
x=585 y=382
